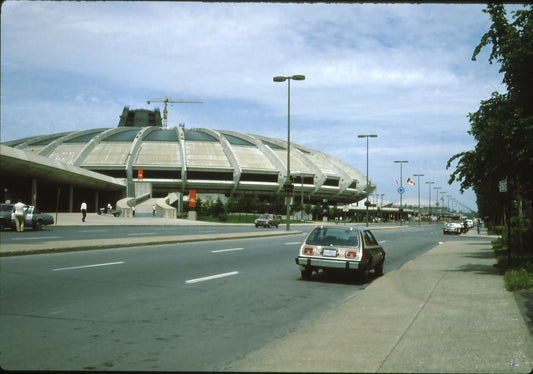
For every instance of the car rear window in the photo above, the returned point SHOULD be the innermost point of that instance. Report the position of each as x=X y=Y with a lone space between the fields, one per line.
x=333 y=236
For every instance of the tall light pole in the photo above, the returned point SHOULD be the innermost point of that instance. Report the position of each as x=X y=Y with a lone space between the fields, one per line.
x=442 y=203
x=418 y=181
x=437 y=201
x=429 y=204
x=288 y=184
x=401 y=190
x=367 y=203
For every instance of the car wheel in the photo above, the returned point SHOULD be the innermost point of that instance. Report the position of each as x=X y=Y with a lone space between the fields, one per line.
x=306 y=274
x=38 y=226
x=256 y=226
x=116 y=214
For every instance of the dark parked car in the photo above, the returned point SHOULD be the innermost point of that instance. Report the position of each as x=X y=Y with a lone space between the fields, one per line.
x=111 y=211
x=32 y=217
x=342 y=248
x=267 y=220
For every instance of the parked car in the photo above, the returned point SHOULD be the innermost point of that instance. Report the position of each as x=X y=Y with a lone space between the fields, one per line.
x=5 y=215
x=32 y=217
x=452 y=228
x=267 y=220
x=343 y=248
x=111 y=211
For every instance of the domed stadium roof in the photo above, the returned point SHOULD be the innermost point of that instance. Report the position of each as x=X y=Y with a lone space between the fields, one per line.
x=209 y=161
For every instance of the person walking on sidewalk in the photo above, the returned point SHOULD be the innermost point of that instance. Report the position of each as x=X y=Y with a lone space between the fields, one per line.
x=19 y=209
x=153 y=210
x=478 y=224
x=133 y=210
x=83 y=211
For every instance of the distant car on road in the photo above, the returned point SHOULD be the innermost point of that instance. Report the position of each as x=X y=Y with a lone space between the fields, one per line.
x=342 y=248
x=452 y=228
x=32 y=217
x=267 y=220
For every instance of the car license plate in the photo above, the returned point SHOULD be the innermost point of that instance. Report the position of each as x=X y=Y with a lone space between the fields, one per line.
x=330 y=252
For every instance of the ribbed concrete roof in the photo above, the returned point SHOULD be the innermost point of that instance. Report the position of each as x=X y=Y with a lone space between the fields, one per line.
x=199 y=158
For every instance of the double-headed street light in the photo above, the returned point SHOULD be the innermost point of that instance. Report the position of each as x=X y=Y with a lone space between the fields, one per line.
x=418 y=181
x=367 y=188
x=437 y=201
x=429 y=205
x=288 y=183
x=401 y=190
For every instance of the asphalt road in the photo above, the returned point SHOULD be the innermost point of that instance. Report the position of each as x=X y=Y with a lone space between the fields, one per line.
x=187 y=307
x=60 y=233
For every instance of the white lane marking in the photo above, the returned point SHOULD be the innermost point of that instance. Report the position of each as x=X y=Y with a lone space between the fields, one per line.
x=292 y=243
x=38 y=238
x=94 y=230
x=90 y=266
x=142 y=233
x=191 y=281
x=227 y=250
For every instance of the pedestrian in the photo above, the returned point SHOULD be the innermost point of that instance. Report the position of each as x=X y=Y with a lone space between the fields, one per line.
x=133 y=210
x=83 y=209
x=478 y=226
x=153 y=210
x=19 y=209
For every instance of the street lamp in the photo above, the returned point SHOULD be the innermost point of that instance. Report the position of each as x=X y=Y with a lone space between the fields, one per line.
x=367 y=203
x=418 y=181
x=288 y=181
x=437 y=201
x=442 y=203
x=401 y=187
x=429 y=204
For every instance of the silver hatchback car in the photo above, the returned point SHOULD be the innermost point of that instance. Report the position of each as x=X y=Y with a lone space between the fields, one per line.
x=347 y=248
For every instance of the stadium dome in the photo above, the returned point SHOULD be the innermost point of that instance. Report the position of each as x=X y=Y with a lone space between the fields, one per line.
x=180 y=159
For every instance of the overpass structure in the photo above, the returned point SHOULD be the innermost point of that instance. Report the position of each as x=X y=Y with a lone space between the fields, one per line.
x=25 y=175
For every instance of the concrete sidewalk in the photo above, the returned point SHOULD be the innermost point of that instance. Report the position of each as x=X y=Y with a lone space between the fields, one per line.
x=446 y=311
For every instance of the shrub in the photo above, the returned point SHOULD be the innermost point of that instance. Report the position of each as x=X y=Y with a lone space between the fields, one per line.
x=518 y=280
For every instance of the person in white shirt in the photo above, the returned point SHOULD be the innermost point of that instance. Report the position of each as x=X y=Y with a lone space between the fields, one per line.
x=83 y=211
x=19 y=209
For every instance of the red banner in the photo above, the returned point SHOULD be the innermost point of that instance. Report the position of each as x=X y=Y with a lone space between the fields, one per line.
x=192 y=198
x=140 y=174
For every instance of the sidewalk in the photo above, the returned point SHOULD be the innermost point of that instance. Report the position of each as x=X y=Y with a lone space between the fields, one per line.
x=446 y=311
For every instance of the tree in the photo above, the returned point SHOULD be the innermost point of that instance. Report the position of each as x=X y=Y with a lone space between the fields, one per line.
x=503 y=125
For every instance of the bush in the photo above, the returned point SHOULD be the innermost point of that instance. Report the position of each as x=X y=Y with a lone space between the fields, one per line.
x=516 y=280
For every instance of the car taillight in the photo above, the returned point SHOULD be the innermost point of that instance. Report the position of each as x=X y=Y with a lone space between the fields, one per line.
x=351 y=254
x=308 y=251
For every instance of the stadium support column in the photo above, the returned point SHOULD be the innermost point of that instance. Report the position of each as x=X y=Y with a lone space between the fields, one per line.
x=70 y=198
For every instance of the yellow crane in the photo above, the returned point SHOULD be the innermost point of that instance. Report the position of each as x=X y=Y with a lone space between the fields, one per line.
x=168 y=100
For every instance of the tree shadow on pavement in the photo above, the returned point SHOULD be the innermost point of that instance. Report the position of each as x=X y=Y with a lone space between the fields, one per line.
x=477 y=269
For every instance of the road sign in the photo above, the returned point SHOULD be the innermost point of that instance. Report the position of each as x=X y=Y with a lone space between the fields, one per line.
x=401 y=190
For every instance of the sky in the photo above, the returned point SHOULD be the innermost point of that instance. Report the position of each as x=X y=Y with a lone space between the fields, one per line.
x=398 y=70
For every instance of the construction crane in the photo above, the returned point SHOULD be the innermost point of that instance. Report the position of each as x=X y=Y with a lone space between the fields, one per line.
x=168 y=100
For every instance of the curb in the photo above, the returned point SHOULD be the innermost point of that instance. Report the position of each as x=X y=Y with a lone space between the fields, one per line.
x=84 y=245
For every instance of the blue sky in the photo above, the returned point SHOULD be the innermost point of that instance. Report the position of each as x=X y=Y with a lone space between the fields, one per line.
x=401 y=71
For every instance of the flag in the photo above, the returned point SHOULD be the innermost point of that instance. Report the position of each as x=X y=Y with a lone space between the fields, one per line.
x=410 y=181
